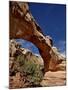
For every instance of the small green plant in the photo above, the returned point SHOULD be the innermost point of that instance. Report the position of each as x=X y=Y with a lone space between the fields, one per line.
x=30 y=68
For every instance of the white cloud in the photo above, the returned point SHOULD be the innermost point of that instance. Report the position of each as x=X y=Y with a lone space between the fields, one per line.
x=61 y=45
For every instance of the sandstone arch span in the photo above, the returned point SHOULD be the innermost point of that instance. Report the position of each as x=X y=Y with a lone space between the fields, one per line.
x=24 y=26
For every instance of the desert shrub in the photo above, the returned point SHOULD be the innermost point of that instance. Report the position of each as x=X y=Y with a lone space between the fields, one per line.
x=30 y=68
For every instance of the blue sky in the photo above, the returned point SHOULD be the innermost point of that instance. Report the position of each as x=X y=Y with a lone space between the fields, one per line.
x=52 y=20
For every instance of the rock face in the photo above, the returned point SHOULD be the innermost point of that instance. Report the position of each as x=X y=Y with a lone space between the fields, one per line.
x=57 y=78
x=26 y=69
x=24 y=26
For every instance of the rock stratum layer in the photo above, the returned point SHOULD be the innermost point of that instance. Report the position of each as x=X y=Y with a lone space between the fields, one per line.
x=24 y=26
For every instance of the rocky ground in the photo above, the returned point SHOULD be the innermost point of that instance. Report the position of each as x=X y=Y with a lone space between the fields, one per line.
x=55 y=78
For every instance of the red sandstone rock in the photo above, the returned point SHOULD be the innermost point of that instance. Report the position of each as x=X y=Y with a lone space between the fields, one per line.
x=23 y=25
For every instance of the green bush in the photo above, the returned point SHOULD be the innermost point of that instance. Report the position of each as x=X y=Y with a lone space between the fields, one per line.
x=30 y=68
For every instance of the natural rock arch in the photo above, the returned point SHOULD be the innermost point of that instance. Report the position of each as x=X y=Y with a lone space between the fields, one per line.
x=23 y=25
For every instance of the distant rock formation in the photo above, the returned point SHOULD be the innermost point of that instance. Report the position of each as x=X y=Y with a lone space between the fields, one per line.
x=24 y=26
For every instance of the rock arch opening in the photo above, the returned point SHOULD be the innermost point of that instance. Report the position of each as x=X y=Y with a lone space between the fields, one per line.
x=24 y=26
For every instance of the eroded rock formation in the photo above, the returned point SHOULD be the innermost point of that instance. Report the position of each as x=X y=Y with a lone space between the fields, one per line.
x=24 y=26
